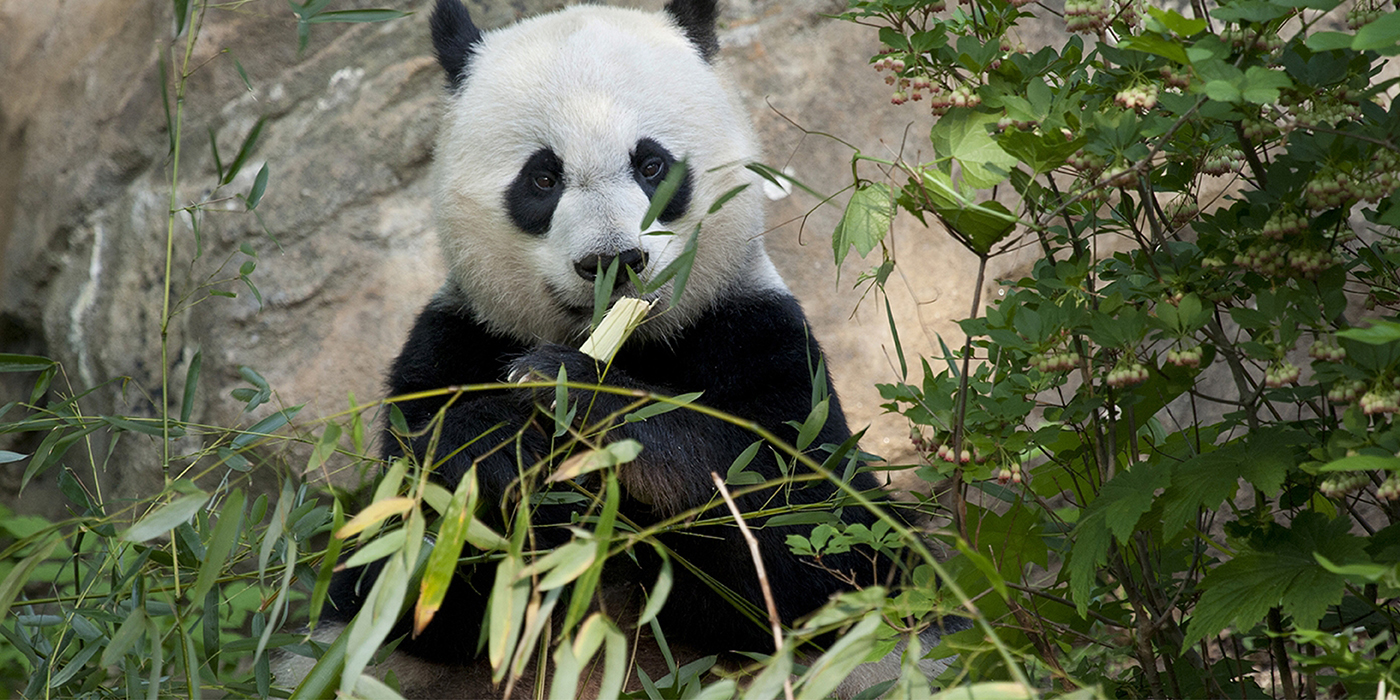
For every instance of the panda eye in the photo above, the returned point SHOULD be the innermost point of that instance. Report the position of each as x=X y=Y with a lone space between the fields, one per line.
x=653 y=168
x=544 y=181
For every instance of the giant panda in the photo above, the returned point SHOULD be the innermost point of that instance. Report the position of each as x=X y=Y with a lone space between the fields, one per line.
x=556 y=133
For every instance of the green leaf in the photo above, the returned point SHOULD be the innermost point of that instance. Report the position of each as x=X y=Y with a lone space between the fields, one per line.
x=984 y=565
x=126 y=635
x=1115 y=513
x=505 y=611
x=1360 y=463
x=220 y=545
x=1381 y=35
x=18 y=576
x=372 y=15
x=182 y=12
x=1261 y=85
x=658 y=594
x=250 y=142
x=660 y=407
x=1207 y=480
x=1221 y=91
x=981 y=226
x=265 y=427
x=1165 y=48
x=1175 y=22
x=255 y=194
x=832 y=667
x=1280 y=570
x=566 y=563
x=166 y=517
x=613 y=454
x=962 y=135
x=24 y=363
x=864 y=223
x=191 y=384
x=1380 y=332
x=1250 y=11
x=816 y=420
x=1328 y=41
x=1040 y=152
x=442 y=561
x=664 y=193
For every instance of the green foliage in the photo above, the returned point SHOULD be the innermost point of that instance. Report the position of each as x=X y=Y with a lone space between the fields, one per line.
x=1151 y=497
x=1213 y=198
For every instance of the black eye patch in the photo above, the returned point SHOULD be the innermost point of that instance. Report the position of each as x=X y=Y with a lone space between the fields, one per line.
x=650 y=164
x=535 y=192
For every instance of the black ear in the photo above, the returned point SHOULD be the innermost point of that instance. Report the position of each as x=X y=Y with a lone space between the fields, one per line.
x=454 y=39
x=697 y=19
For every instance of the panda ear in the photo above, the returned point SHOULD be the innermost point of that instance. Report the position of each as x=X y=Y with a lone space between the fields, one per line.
x=455 y=38
x=697 y=19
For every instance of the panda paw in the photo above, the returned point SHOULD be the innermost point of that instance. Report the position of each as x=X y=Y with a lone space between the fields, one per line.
x=543 y=363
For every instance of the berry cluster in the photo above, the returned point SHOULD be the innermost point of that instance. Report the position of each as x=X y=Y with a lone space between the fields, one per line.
x=1325 y=109
x=1056 y=361
x=1086 y=162
x=1380 y=400
x=1389 y=489
x=1363 y=13
x=1087 y=16
x=1327 y=350
x=1345 y=392
x=1181 y=211
x=1331 y=188
x=1010 y=473
x=1222 y=162
x=889 y=63
x=1259 y=129
x=1244 y=39
x=1127 y=374
x=1185 y=357
x=1308 y=263
x=1122 y=176
x=1265 y=259
x=940 y=102
x=1142 y=96
x=1173 y=79
x=1343 y=483
x=945 y=453
x=1284 y=223
x=1008 y=123
x=1281 y=373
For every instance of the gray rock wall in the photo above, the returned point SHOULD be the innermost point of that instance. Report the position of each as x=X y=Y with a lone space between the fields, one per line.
x=348 y=255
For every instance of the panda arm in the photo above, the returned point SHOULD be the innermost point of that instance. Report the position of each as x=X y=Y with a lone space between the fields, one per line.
x=752 y=358
x=448 y=348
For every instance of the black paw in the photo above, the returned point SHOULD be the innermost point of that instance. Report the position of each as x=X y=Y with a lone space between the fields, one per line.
x=544 y=362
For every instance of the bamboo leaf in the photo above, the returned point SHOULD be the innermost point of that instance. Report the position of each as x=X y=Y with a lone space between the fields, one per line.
x=442 y=561
x=14 y=581
x=220 y=545
x=166 y=517
x=374 y=514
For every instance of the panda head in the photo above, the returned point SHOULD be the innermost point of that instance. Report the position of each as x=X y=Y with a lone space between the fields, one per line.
x=557 y=132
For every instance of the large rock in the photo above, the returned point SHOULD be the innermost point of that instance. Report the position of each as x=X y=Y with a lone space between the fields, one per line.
x=343 y=237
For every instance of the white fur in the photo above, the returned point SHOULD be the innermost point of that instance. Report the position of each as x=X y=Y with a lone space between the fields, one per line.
x=589 y=83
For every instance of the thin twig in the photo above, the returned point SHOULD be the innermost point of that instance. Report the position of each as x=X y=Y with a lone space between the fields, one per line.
x=773 y=620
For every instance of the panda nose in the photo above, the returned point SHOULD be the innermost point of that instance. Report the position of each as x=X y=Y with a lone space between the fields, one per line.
x=588 y=266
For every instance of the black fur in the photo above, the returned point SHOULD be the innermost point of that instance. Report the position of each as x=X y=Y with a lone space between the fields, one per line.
x=750 y=356
x=455 y=38
x=646 y=151
x=530 y=205
x=697 y=19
